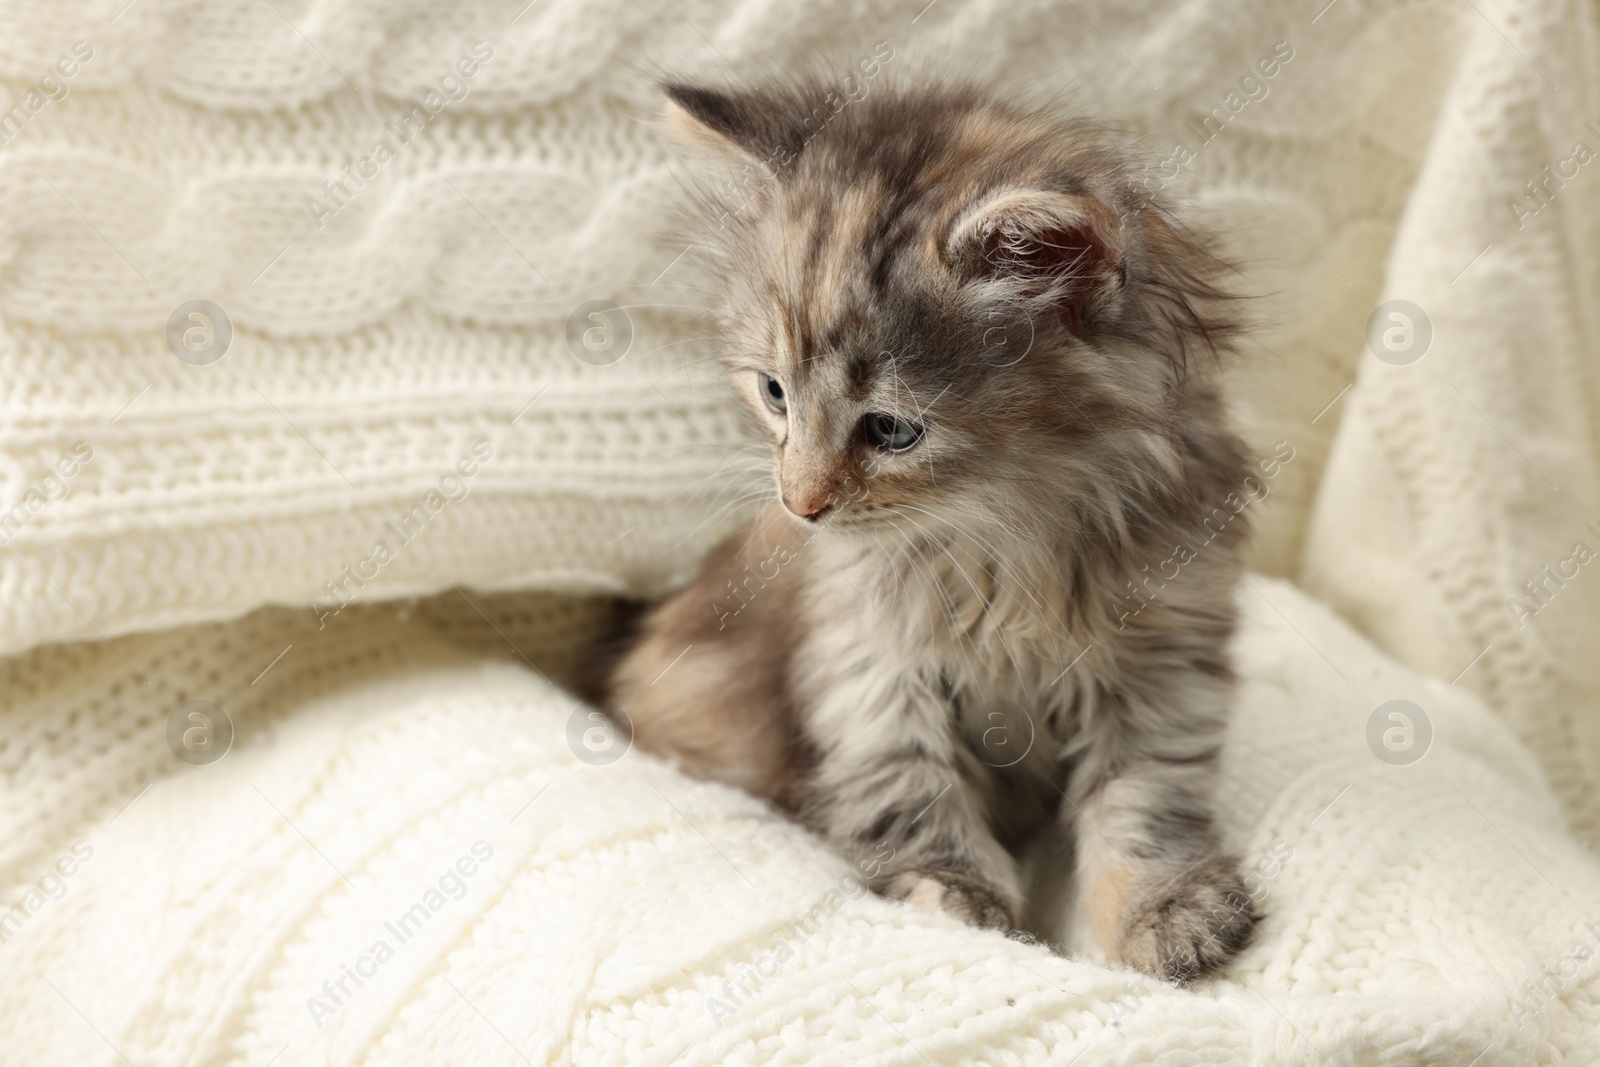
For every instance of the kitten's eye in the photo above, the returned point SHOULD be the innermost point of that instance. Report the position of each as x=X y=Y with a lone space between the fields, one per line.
x=772 y=393
x=891 y=433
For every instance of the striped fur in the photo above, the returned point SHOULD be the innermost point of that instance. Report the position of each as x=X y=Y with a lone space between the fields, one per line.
x=946 y=661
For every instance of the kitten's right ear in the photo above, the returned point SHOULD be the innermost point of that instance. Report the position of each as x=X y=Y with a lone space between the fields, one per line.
x=740 y=127
x=1066 y=247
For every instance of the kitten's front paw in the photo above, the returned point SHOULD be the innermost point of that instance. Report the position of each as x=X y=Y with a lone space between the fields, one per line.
x=968 y=899
x=1190 y=925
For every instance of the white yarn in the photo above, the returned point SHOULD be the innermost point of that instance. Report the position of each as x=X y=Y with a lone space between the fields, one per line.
x=431 y=308
x=1456 y=480
x=1416 y=913
x=1411 y=908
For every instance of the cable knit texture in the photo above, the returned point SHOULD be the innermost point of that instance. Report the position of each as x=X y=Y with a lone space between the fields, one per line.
x=393 y=331
x=427 y=305
x=1422 y=914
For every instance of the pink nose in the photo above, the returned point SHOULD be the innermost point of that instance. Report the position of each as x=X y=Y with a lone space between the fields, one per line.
x=810 y=507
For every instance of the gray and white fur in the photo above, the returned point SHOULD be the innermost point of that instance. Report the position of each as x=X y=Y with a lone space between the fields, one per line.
x=985 y=361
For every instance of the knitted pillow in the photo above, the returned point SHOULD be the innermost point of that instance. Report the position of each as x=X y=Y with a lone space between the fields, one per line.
x=317 y=309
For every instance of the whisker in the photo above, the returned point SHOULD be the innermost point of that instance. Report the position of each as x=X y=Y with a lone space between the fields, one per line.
x=998 y=558
x=964 y=642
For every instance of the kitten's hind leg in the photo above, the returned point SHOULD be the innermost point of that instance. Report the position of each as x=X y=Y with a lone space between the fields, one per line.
x=702 y=680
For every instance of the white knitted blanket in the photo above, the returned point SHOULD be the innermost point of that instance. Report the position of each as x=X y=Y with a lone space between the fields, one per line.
x=284 y=282
x=580 y=912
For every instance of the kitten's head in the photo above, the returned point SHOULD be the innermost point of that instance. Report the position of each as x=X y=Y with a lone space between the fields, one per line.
x=949 y=313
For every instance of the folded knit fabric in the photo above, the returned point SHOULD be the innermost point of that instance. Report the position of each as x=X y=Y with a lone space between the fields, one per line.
x=402 y=859
x=400 y=214
x=241 y=345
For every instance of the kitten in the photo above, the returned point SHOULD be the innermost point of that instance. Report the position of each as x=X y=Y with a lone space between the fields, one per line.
x=985 y=362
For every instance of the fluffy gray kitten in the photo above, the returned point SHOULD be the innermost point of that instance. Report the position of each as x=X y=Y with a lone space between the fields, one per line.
x=985 y=361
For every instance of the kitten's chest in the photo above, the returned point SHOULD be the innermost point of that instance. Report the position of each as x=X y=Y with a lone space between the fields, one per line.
x=998 y=639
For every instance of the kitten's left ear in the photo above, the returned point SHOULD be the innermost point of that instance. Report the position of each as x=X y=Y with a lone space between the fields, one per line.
x=743 y=127
x=1068 y=248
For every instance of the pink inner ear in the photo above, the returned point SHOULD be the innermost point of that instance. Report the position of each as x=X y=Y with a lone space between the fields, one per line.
x=1062 y=247
x=1069 y=254
x=1067 y=251
x=1061 y=251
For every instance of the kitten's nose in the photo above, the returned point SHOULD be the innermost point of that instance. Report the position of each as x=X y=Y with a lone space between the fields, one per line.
x=810 y=508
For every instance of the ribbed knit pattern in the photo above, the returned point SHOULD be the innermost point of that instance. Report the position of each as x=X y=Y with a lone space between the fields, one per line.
x=1408 y=906
x=1456 y=480
x=426 y=306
